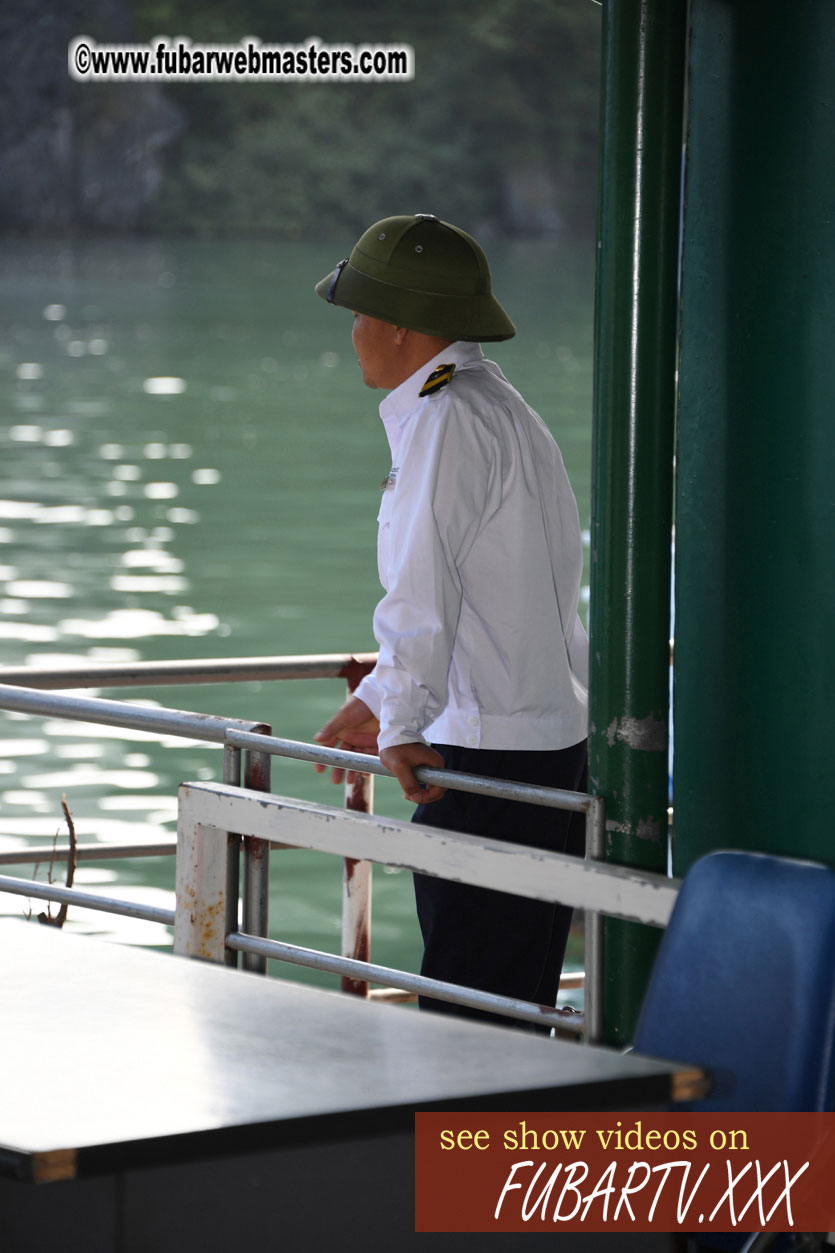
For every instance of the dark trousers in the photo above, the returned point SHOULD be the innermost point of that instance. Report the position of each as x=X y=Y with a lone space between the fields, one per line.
x=491 y=940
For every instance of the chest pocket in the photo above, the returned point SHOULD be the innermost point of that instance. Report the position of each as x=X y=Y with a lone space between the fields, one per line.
x=384 y=537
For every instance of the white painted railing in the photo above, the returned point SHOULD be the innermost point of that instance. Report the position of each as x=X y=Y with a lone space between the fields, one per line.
x=208 y=810
x=208 y=873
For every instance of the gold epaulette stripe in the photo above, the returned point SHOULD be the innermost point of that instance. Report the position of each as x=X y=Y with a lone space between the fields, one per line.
x=437 y=379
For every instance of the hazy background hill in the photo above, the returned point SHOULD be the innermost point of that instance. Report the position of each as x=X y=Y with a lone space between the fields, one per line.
x=496 y=131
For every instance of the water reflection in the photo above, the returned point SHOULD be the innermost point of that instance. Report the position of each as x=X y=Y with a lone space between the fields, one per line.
x=164 y=386
x=43 y=589
x=26 y=631
x=89 y=776
x=140 y=624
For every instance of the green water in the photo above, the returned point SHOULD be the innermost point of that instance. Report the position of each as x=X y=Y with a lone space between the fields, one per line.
x=229 y=512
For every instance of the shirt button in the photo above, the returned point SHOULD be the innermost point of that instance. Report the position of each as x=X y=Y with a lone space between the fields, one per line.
x=472 y=740
x=473 y=722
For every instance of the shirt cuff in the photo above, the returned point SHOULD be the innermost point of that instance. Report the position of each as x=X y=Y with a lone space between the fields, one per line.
x=390 y=737
x=369 y=692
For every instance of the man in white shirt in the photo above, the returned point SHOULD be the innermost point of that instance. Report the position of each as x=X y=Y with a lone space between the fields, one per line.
x=481 y=665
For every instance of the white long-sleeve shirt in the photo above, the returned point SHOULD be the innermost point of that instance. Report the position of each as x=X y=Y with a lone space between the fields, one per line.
x=480 y=556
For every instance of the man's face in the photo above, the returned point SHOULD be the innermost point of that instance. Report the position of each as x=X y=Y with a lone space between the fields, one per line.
x=375 y=344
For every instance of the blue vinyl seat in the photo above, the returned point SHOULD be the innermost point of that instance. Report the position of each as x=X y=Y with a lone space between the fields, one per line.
x=744 y=986
x=744 y=982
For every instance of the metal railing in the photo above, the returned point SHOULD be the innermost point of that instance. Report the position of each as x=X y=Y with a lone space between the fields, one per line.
x=86 y=900
x=195 y=726
x=207 y=809
x=356 y=937
x=348 y=666
x=592 y=807
x=257 y=746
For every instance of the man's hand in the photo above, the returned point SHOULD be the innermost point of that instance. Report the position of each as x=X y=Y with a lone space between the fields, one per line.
x=354 y=728
x=403 y=759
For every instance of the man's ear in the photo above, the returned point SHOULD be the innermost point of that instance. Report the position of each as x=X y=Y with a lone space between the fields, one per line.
x=400 y=334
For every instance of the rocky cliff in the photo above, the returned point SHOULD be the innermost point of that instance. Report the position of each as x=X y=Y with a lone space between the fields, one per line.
x=73 y=155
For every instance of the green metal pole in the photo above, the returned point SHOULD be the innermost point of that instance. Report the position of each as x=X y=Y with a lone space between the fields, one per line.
x=755 y=530
x=632 y=474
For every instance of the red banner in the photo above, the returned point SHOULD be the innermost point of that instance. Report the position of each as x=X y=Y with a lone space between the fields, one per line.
x=624 y=1172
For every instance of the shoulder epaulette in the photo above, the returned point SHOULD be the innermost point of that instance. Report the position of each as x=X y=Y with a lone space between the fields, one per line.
x=437 y=379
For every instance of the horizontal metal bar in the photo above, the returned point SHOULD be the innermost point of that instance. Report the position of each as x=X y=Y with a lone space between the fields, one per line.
x=85 y=900
x=531 y=872
x=117 y=713
x=209 y=670
x=569 y=981
x=506 y=789
x=565 y=1019
x=86 y=852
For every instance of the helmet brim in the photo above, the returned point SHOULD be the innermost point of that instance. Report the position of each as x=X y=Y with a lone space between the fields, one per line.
x=477 y=318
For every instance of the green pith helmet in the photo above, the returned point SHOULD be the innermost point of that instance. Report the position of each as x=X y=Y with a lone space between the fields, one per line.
x=415 y=271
